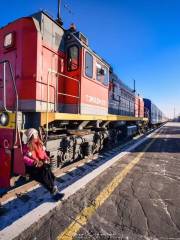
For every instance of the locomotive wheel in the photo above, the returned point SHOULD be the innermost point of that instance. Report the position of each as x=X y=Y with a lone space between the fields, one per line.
x=66 y=157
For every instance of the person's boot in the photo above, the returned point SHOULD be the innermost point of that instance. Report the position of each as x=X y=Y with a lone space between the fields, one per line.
x=56 y=194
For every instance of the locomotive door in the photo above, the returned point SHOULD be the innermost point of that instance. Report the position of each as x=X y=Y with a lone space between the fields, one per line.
x=71 y=82
x=8 y=102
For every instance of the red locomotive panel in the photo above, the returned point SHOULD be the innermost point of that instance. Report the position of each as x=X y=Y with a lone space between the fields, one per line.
x=31 y=56
x=21 y=56
x=94 y=88
x=136 y=106
x=7 y=153
x=139 y=107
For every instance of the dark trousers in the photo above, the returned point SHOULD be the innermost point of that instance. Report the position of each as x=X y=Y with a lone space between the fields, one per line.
x=42 y=175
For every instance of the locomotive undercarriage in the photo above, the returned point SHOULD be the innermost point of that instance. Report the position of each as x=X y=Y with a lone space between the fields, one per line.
x=69 y=141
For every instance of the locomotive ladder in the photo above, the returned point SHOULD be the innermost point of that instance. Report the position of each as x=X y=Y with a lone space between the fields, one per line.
x=7 y=65
x=57 y=74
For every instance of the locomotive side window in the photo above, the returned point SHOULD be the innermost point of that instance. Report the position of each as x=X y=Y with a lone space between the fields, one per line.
x=88 y=65
x=115 y=92
x=9 y=40
x=73 y=58
x=106 y=77
x=99 y=72
x=102 y=74
x=113 y=89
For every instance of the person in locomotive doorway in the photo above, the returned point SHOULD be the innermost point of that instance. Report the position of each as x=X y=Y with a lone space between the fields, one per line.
x=38 y=163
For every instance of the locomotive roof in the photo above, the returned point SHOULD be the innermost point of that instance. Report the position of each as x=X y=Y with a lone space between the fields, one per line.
x=117 y=79
x=33 y=15
x=48 y=15
x=126 y=86
x=37 y=14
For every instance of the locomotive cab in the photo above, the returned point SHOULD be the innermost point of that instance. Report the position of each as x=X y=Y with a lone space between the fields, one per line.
x=93 y=73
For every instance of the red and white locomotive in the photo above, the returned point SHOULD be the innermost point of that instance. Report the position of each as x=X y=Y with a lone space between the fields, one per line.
x=51 y=80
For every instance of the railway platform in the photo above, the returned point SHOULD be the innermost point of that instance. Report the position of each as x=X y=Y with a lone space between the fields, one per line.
x=131 y=192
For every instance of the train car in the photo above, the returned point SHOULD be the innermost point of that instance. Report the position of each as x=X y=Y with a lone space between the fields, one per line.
x=121 y=97
x=156 y=117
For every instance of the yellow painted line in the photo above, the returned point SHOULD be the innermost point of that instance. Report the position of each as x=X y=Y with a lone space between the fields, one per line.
x=82 y=218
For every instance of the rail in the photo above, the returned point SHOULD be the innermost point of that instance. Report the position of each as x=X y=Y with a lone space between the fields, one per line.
x=6 y=63
x=56 y=93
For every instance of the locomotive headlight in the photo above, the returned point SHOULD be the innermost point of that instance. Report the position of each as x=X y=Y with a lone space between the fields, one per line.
x=4 y=119
x=9 y=40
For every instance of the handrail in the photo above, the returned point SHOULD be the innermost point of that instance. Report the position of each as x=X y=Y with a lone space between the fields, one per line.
x=51 y=71
x=6 y=62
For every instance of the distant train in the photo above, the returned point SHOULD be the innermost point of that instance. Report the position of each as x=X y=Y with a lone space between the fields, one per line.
x=51 y=80
x=155 y=115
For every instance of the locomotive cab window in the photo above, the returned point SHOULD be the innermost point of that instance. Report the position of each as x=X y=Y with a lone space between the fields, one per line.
x=99 y=72
x=102 y=74
x=106 y=77
x=73 y=58
x=88 y=65
x=9 y=40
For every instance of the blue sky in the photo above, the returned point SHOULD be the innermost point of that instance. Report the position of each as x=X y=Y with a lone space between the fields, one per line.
x=139 y=38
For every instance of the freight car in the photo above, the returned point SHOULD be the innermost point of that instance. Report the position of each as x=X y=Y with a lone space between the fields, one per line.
x=53 y=81
x=156 y=116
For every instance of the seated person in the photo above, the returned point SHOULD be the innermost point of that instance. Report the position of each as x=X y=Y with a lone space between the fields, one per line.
x=37 y=163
